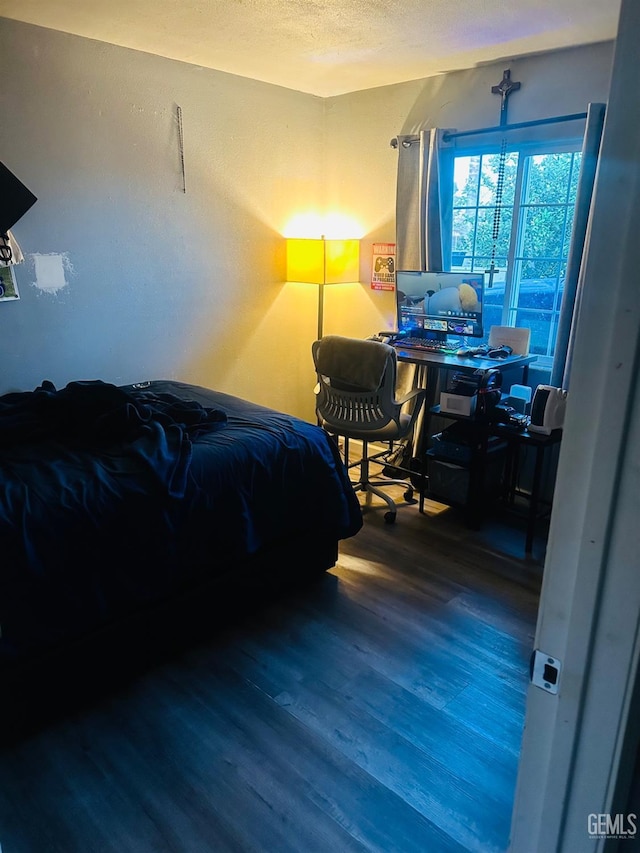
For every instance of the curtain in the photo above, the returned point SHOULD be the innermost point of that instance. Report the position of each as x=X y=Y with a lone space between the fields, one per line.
x=408 y=201
x=569 y=308
x=419 y=238
x=420 y=214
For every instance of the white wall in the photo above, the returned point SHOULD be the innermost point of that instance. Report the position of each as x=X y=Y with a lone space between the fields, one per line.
x=191 y=286
x=160 y=283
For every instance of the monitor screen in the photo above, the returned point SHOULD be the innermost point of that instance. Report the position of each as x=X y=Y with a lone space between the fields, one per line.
x=437 y=304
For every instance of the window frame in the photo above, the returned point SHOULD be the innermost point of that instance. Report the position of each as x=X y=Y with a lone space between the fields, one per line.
x=545 y=142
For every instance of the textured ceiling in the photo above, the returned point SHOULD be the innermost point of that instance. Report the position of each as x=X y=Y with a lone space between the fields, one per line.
x=328 y=47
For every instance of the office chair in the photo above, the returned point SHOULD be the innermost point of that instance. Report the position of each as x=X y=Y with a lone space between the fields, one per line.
x=355 y=398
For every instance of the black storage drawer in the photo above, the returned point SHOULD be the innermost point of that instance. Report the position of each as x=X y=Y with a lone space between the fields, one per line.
x=449 y=481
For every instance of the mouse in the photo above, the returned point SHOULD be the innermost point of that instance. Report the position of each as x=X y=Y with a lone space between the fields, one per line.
x=500 y=352
x=479 y=350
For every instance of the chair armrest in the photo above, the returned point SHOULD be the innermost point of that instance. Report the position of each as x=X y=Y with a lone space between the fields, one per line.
x=417 y=392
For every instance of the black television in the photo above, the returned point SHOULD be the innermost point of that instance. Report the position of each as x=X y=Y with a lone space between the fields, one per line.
x=15 y=199
x=437 y=305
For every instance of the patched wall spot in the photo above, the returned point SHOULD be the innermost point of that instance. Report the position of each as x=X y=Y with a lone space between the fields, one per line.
x=50 y=272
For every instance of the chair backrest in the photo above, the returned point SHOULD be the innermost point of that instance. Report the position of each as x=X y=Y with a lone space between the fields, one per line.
x=356 y=384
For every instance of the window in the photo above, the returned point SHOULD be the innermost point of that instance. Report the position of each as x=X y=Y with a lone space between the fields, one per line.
x=527 y=237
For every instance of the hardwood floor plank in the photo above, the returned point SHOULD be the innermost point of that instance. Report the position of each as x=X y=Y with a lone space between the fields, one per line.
x=333 y=715
x=417 y=778
x=447 y=739
x=351 y=796
x=63 y=802
x=408 y=611
x=501 y=616
x=497 y=715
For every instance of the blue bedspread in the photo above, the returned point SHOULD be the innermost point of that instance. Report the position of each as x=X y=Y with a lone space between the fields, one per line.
x=113 y=497
x=154 y=426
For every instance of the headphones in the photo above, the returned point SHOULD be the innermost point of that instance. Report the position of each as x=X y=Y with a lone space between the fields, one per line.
x=489 y=385
x=489 y=380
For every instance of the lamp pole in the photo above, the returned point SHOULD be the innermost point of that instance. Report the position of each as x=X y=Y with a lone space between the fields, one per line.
x=321 y=288
x=320 y=308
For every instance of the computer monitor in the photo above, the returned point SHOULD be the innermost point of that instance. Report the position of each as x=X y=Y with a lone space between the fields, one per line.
x=438 y=304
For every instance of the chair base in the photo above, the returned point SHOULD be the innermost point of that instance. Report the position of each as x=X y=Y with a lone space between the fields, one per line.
x=371 y=489
x=375 y=485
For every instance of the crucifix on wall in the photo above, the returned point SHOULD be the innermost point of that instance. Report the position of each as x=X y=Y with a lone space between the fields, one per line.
x=504 y=88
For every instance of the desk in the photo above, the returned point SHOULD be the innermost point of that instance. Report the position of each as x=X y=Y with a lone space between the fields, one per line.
x=441 y=362
x=430 y=363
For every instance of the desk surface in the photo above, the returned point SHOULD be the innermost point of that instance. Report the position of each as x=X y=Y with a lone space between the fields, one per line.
x=459 y=362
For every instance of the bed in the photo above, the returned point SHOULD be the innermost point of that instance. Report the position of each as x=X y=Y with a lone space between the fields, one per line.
x=116 y=499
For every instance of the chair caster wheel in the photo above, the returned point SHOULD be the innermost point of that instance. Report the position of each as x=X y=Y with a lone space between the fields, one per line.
x=408 y=496
x=390 y=518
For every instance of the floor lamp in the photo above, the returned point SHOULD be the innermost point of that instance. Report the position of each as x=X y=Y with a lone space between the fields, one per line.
x=322 y=262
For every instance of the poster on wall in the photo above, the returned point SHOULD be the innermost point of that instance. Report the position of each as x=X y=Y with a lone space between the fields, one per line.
x=8 y=286
x=383 y=266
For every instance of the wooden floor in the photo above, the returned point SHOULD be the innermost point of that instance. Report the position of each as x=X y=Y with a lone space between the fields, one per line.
x=380 y=709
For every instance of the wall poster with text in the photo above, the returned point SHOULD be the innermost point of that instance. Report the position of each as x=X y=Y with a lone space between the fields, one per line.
x=383 y=267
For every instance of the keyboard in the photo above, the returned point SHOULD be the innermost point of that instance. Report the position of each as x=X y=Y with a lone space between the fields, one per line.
x=425 y=345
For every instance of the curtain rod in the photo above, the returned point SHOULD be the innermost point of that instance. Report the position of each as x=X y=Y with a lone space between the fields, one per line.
x=448 y=135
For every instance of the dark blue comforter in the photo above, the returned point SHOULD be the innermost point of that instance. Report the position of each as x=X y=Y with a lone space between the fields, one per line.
x=111 y=497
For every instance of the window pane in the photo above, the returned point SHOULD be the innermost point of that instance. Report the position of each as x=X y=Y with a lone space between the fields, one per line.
x=530 y=268
x=464 y=224
x=484 y=237
x=465 y=181
x=575 y=173
x=489 y=178
x=541 y=324
x=493 y=295
x=492 y=316
x=548 y=177
x=560 y=289
x=543 y=231
x=535 y=293
x=567 y=235
x=537 y=285
x=481 y=264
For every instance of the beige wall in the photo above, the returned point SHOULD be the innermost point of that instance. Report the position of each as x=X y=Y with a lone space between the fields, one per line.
x=162 y=283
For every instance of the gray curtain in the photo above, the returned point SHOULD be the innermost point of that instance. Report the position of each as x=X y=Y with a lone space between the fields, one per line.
x=408 y=202
x=569 y=308
x=419 y=238
x=422 y=171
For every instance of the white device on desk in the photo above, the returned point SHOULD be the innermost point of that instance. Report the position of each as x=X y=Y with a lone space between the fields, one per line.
x=547 y=409
x=472 y=393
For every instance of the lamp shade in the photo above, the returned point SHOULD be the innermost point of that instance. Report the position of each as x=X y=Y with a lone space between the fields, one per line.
x=323 y=261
